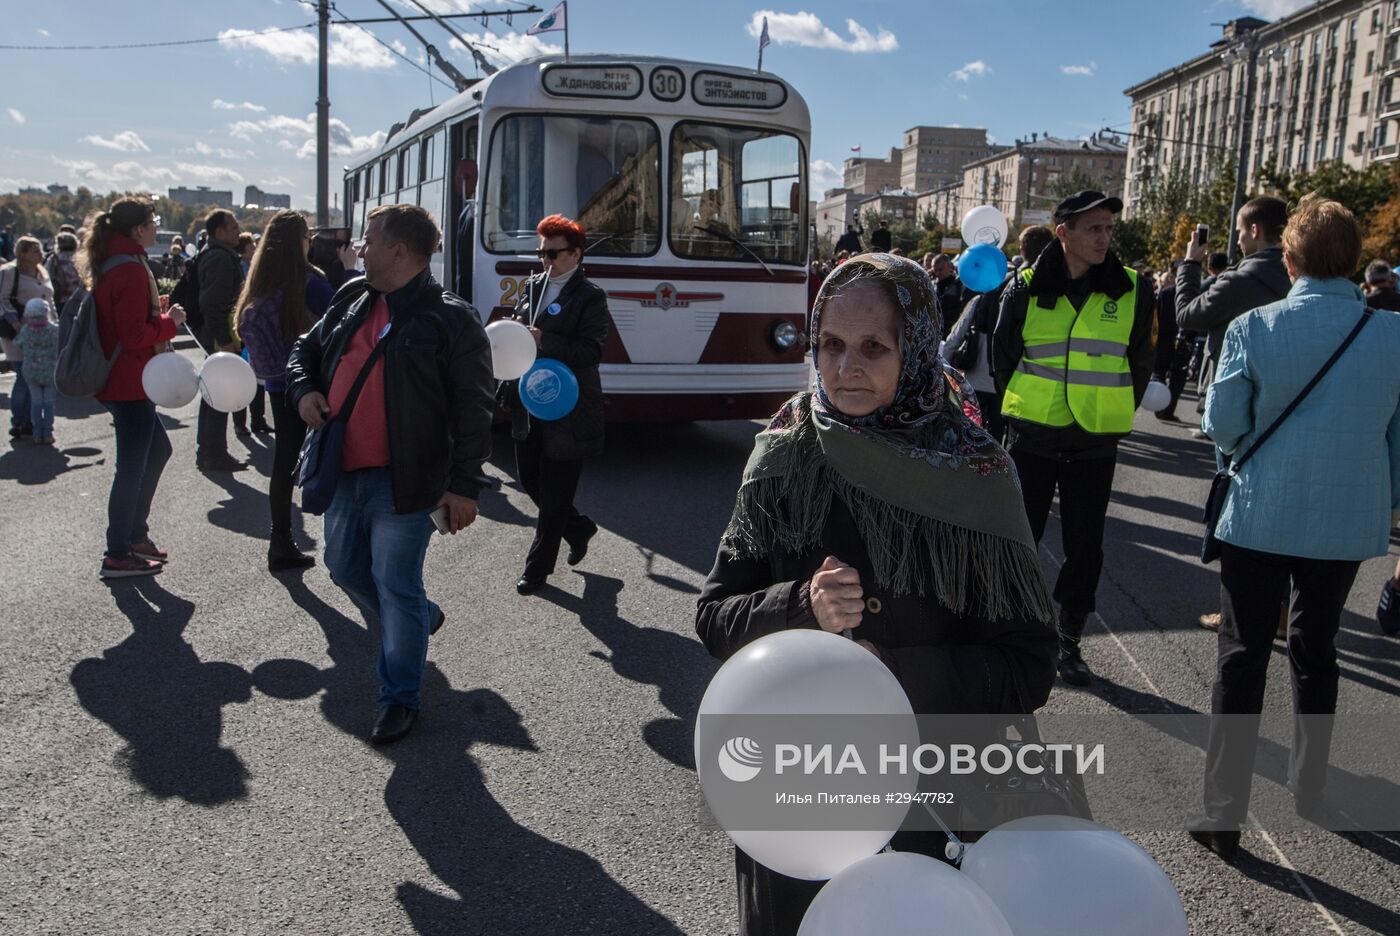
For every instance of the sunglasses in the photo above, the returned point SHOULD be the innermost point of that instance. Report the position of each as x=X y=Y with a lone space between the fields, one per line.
x=552 y=252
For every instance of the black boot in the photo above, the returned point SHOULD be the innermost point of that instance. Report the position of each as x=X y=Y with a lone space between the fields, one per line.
x=1073 y=670
x=283 y=555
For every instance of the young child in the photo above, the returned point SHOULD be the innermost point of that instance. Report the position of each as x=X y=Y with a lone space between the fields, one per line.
x=38 y=336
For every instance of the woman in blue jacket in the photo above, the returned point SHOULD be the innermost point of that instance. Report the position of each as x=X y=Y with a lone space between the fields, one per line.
x=1313 y=503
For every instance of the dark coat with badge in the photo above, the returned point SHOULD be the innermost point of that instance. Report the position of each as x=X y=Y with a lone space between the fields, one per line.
x=573 y=334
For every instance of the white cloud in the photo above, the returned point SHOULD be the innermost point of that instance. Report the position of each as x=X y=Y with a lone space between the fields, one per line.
x=351 y=47
x=971 y=70
x=807 y=29
x=43 y=32
x=298 y=134
x=125 y=142
x=220 y=104
x=17 y=116
x=824 y=175
x=1275 y=9
x=508 y=49
x=200 y=172
x=1086 y=71
x=204 y=149
x=123 y=175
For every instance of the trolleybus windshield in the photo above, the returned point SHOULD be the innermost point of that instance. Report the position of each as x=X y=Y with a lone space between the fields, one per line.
x=736 y=194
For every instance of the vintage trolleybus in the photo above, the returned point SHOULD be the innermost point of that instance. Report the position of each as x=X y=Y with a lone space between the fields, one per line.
x=691 y=181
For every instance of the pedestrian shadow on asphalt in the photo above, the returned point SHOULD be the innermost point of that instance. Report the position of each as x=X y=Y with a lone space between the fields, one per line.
x=246 y=509
x=506 y=877
x=29 y=464
x=678 y=666
x=164 y=702
x=1183 y=457
x=1358 y=910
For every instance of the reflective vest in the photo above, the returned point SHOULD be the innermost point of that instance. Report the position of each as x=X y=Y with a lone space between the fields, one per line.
x=1074 y=368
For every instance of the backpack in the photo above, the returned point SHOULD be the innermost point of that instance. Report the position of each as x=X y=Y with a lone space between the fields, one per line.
x=82 y=368
x=186 y=294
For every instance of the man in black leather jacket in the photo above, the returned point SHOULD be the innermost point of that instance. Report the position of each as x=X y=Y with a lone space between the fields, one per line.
x=415 y=437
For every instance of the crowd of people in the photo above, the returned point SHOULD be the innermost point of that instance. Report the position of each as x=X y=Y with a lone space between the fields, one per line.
x=900 y=500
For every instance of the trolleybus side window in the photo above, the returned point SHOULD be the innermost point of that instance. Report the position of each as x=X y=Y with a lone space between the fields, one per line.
x=430 y=197
x=737 y=192
x=603 y=171
x=462 y=203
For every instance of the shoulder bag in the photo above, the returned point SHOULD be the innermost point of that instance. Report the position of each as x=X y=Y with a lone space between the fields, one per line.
x=1220 y=485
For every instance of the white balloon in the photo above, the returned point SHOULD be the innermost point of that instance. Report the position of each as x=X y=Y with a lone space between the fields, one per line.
x=1157 y=397
x=806 y=672
x=170 y=380
x=902 y=892
x=227 y=382
x=512 y=349
x=1059 y=874
x=984 y=225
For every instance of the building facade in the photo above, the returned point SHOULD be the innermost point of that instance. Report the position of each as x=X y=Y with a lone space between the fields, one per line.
x=871 y=176
x=1020 y=180
x=201 y=197
x=252 y=195
x=1323 y=90
x=934 y=156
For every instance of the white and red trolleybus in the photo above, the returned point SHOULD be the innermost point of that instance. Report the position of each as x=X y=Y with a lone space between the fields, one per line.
x=691 y=181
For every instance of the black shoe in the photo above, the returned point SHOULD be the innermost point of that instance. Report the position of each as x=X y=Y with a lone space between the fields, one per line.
x=442 y=619
x=242 y=432
x=18 y=432
x=393 y=723
x=577 y=552
x=1169 y=417
x=528 y=586
x=1072 y=668
x=1310 y=807
x=220 y=462
x=283 y=556
x=1224 y=842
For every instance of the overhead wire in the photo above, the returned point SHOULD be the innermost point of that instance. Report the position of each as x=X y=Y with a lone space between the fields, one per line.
x=146 y=45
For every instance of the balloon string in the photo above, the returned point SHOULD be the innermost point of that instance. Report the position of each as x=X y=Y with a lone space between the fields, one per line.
x=955 y=848
x=190 y=332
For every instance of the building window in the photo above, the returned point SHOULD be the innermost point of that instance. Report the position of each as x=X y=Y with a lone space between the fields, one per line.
x=1375 y=20
x=1370 y=62
x=1365 y=102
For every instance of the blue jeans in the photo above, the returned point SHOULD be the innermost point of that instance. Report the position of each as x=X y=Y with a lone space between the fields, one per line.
x=19 y=397
x=376 y=555
x=42 y=398
x=143 y=448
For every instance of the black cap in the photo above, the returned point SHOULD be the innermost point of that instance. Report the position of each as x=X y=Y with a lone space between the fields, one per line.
x=1083 y=201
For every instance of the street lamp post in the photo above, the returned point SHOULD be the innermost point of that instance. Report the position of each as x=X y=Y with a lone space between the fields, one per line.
x=1249 y=45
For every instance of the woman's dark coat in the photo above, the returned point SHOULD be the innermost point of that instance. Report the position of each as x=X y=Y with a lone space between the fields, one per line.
x=574 y=336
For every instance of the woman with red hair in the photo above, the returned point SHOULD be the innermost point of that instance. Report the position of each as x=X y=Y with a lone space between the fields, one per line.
x=568 y=316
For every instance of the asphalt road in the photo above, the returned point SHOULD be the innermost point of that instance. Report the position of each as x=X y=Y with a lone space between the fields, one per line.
x=186 y=754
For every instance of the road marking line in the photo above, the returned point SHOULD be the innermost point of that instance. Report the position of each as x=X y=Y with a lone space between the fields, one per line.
x=1327 y=918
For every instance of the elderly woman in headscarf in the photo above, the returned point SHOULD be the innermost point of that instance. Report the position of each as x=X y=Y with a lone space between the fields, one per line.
x=879 y=507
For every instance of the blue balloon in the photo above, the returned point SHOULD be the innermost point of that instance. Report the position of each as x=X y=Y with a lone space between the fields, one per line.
x=549 y=389
x=982 y=268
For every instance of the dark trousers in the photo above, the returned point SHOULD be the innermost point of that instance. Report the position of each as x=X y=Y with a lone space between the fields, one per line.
x=258 y=410
x=290 y=434
x=1084 y=486
x=143 y=448
x=1176 y=373
x=1250 y=585
x=551 y=485
x=990 y=404
x=211 y=432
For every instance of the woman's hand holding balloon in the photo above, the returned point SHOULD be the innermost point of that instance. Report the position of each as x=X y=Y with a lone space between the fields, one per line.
x=837 y=599
x=177 y=314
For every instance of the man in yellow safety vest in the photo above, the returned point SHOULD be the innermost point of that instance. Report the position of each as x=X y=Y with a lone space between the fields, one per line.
x=1073 y=352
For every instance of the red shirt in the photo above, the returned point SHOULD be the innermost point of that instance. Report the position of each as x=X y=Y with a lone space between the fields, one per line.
x=367 y=434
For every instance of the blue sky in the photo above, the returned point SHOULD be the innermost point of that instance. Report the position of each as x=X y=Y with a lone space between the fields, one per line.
x=239 y=111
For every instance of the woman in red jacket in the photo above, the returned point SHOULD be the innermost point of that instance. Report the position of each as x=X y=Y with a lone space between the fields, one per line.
x=128 y=313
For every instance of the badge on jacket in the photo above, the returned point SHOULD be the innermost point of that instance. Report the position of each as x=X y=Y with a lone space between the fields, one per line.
x=552 y=308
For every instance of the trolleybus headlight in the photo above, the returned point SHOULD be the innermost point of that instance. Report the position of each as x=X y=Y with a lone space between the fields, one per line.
x=784 y=335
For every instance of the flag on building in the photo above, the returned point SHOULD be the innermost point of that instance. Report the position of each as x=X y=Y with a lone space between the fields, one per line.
x=555 y=20
x=763 y=36
x=856 y=150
